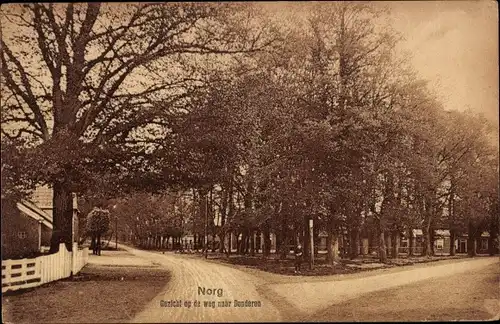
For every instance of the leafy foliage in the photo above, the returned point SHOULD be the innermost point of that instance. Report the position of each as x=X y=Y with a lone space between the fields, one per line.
x=98 y=221
x=176 y=113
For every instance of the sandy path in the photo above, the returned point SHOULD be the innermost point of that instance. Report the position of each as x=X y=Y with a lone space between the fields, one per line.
x=310 y=297
x=472 y=295
x=187 y=275
x=281 y=300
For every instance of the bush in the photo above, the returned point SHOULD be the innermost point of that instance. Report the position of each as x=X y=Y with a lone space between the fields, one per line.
x=98 y=221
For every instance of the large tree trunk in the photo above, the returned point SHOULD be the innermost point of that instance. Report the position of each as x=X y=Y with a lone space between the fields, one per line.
x=238 y=243
x=279 y=241
x=411 y=242
x=317 y=239
x=307 y=237
x=373 y=239
x=222 y=238
x=62 y=231
x=395 y=244
x=247 y=242
x=267 y=241
x=99 y=244
x=281 y=233
x=426 y=230
x=213 y=242
x=354 y=244
x=364 y=246
x=426 y=248
x=382 y=252
x=451 y=215
x=252 y=242
x=452 y=243
x=342 y=244
x=432 y=235
x=226 y=193
x=388 y=241
x=491 y=243
x=471 y=240
x=93 y=243
x=332 y=245
x=229 y=238
x=472 y=246
x=283 y=249
x=258 y=239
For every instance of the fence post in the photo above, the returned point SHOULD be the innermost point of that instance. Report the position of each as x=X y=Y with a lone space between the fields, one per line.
x=40 y=269
x=61 y=260
x=74 y=256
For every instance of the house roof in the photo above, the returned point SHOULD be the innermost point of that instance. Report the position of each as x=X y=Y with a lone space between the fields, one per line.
x=483 y=234
x=42 y=197
x=442 y=232
x=446 y=233
x=439 y=232
x=35 y=212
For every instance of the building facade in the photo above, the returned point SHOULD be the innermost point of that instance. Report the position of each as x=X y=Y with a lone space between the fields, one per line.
x=26 y=230
x=27 y=225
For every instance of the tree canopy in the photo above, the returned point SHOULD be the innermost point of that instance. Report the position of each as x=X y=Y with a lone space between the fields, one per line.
x=182 y=111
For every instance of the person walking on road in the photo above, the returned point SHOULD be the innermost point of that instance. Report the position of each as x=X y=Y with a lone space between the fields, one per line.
x=298 y=257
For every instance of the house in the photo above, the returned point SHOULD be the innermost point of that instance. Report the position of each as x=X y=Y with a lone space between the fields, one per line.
x=482 y=243
x=26 y=229
x=442 y=242
x=27 y=225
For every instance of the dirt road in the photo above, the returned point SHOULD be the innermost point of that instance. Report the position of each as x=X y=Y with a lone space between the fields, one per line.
x=187 y=275
x=295 y=300
x=309 y=298
x=471 y=296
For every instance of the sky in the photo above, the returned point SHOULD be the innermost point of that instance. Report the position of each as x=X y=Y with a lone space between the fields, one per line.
x=454 y=45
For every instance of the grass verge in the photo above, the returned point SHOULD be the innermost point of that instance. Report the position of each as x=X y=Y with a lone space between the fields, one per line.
x=321 y=268
x=99 y=294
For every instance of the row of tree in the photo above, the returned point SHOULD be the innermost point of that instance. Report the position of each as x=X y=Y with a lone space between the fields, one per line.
x=249 y=121
x=88 y=90
x=343 y=133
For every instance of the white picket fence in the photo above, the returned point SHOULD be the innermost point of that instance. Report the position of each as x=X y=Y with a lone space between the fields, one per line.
x=27 y=273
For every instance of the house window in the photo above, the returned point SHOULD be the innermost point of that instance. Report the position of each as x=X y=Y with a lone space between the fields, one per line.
x=22 y=235
x=439 y=244
x=484 y=244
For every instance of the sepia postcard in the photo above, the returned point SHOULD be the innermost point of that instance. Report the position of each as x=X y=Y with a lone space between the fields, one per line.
x=185 y=162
